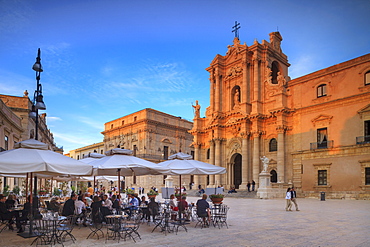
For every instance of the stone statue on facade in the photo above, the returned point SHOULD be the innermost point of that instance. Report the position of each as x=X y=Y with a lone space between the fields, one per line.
x=265 y=162
x=236 y=97
x=197 y=110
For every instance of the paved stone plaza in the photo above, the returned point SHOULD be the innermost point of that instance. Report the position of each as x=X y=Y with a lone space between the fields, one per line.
x=255 y=222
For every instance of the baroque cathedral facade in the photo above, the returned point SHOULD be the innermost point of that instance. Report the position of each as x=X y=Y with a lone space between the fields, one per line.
x=314 y=130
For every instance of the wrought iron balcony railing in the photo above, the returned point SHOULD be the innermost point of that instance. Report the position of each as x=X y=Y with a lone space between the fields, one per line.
x=362 y=139
x=321 y=145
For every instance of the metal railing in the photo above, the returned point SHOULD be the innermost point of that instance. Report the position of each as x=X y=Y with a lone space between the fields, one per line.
x=321 y=145
x=362 y=139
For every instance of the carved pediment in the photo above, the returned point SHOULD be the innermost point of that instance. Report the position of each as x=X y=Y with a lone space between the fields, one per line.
x=365 y=112
x=322 y=120
x=166 y=140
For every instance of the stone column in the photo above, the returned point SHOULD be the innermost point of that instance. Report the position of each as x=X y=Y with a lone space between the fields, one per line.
x=281 y=154
x=212 y=160
x=256 y=157
x=217 y=91
x=218 y=160
x=244 y=163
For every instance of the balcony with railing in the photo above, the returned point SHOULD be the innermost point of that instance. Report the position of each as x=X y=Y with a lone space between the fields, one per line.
x=362 y=140
x=321 y=145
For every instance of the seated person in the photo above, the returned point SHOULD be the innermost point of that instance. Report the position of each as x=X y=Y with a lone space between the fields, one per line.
x=203 y=208
x=54 y=205
x=132 y=205
x=7 y=214
x=116 y=204
x=69 y=206
x=201 y=191
x=183 y=206
x=10 y=202
x=153 y=208
x=232 y=190
x=24 y=214
x=107 y=205
x=144 y=208
x=96 y=206
x=173 y=207
x=80 y=210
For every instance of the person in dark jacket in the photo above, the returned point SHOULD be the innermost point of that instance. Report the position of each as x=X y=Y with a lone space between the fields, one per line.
x=6 y=214
x=69 y=206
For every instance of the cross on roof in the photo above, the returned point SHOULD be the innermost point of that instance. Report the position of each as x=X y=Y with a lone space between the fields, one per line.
x=235 y=29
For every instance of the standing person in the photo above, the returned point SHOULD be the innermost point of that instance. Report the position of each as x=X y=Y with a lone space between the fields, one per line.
x=253 y=185
x=288 y=199
x=249 y=186
x=69 y=206
x=294 y=198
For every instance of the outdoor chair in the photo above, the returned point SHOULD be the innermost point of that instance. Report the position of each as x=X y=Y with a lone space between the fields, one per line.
x=43 y=230
x=219 y=215
x=95 y=227
x=65 y=228
x=115 y=228
x=131 y=228
x=3 y=225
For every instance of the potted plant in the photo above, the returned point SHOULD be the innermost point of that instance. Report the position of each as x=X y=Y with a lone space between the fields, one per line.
x=217 y=198
x=130 y=191
x=152 y=193
x=177 y=195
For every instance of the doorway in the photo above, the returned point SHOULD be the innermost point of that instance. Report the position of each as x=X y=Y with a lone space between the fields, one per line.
x=237 y=170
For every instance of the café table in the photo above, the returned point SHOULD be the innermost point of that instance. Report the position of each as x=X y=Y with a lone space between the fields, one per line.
x=115 y=226
x=55 y=220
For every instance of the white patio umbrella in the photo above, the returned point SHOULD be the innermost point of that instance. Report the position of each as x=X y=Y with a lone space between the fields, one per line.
x=32 y=156
x=183 y=164
x=120 y=161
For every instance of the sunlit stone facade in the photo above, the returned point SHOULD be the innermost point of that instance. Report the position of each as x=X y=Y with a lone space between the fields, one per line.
x=314 y=129
x=152 y=135
x=16 y=126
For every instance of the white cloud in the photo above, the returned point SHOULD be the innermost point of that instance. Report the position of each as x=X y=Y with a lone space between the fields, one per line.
x=52 y=119
x=302 y=65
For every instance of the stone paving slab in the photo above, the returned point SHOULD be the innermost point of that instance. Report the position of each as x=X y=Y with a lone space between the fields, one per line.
x=254 y=222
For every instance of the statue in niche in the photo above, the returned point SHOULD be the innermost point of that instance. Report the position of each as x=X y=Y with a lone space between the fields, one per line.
x=281 y=79
x=196 y=109
x=236 y=97
x=265 y=162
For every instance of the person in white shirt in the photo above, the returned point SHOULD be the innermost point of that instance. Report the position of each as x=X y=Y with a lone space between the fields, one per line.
x=80 y=210
x=288 y=198
x=107 y=202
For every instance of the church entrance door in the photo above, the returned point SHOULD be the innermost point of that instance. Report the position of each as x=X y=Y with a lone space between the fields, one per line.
x=237 y=170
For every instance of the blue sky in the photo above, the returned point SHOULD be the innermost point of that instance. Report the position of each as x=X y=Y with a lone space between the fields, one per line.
x=106 y=59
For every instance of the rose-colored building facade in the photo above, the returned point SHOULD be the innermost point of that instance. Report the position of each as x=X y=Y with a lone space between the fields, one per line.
x=315 y=129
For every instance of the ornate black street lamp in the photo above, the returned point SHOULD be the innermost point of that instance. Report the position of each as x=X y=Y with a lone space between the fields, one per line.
x=38 y=103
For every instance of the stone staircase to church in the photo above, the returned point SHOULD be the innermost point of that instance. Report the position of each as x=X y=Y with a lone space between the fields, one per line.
x=239 y=194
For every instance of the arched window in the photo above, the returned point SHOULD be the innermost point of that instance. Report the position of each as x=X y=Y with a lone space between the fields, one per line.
x=367 y=78
x=111 y=126
x=273 y=145
x=273 y=176
x=208 y=153
x=274 y=72
x=321 y=90
x=123 y=122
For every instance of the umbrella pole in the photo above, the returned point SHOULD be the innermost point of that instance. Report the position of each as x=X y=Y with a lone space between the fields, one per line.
x=26 y=186
x=180 y=200
x=119 y=182
x=94 y=186
x=30 y=233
